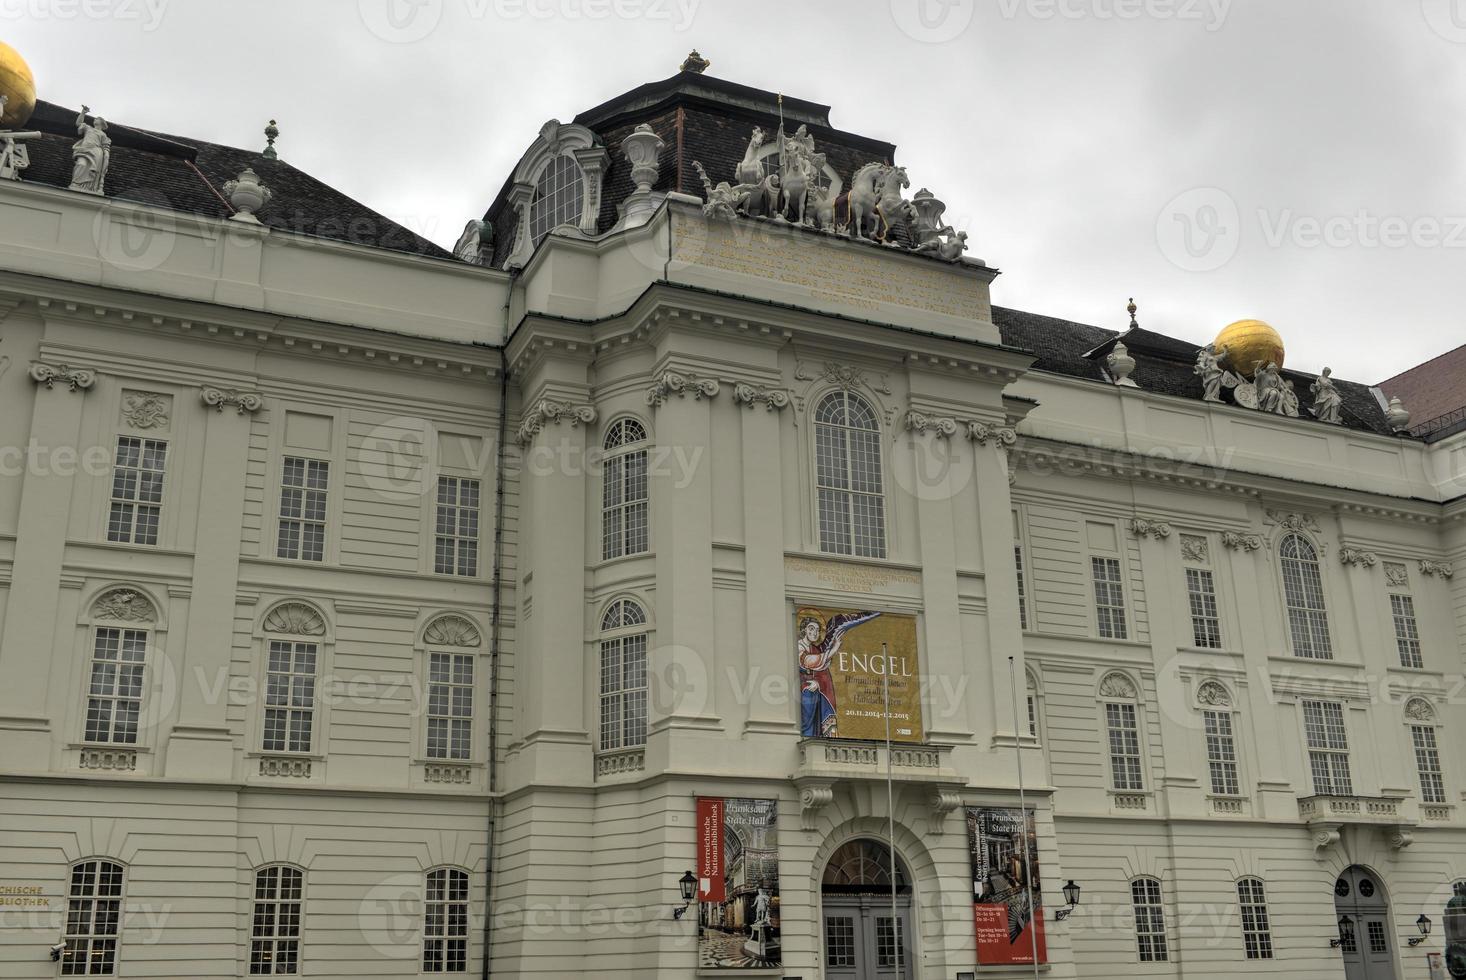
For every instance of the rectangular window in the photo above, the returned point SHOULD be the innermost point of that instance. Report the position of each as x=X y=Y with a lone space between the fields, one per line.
x=1328 y=748
x=1428 y=764
x=93 y=919
x=137 y=490
x=625 y=493
x=290 y=696
x=1032 y=715
x=1221 y=753
x=450 y=705
x=623 y=692
x=1407 y=633
x=456 y=551
x=1257 y=937
x=115 y=695
x=1150 y=920
x=1206 y=625
x=303 y=486
x=1109 y=598
x=1124 y=734
x=1022 y=587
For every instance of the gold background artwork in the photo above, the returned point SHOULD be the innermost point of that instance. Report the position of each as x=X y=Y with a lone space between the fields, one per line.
x=855 y=671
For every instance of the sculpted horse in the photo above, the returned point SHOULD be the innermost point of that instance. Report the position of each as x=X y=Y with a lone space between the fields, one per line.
x=891 y=207
x=865 y=192
x=750 y=171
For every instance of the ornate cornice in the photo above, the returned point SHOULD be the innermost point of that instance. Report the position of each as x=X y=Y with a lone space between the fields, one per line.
x=1142 y=528
x=1241 y=541
x=243 y=402
x=1442 y=568
x=749 y=395
x=75 y=379
x=548 y=410
x=938 y=424
x=1358 y=557
x=671 y=383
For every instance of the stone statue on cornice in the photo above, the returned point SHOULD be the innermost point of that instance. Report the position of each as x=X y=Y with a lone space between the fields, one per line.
x=91 y=155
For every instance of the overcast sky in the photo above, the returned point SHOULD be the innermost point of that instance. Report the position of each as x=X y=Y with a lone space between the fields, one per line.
x=1299 y=161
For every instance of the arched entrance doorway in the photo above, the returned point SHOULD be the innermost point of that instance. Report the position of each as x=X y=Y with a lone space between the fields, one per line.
x=1365 y=937
x=862 y=940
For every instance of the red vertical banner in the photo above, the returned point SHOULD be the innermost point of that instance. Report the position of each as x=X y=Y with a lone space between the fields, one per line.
x=1004 y=875
x=711 y=885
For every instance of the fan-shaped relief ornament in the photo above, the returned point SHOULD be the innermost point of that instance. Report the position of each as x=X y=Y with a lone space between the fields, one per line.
x=124 y=605
x=1117 y=686
x=1214 y=694
x=452 y=631
x=295 y=618
x=1419 y=709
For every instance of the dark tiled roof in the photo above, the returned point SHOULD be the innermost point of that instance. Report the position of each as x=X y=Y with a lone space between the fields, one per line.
x=1162 y=363
x=187 y=175
x=1433 y=389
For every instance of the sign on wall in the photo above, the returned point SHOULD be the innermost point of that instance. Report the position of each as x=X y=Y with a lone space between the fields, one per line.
x=738 y=884
x=846 y=657
x=1007 y=928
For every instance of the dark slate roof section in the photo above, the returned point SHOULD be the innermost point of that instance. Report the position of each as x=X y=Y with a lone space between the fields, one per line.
x=1162 y=363
x=187 y=175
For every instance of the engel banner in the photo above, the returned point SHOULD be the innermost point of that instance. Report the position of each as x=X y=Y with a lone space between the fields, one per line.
x=710 y=882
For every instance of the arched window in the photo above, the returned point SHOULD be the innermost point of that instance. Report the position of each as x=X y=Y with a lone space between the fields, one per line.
x=445 y=922
x=1308 y=621
x=624 y=490
x=623 y=676
x=274 y=944
x=93 y=919
x=1119 y=697
x=1150 y=920
x=290 y=677
x=559 y=196
x=852 y=505
x=449 y=734
x=1257 y=936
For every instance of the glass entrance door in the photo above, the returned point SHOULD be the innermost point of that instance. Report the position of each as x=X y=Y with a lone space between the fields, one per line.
x=864 y=941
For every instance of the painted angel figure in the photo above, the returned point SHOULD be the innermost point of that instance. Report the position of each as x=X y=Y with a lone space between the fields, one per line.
x=818 y=644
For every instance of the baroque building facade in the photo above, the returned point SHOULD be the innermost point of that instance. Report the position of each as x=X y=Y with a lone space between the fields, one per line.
x=371 y=610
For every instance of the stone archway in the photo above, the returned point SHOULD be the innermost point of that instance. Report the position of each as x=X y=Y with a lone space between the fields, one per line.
x=1366 y=939
x=866 y=925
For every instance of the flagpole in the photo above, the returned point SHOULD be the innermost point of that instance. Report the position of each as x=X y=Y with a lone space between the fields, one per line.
x=1033 y=912
x=900 y=943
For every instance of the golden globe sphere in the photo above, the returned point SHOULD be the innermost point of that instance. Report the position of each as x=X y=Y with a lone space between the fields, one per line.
x=1250 y=344
x=16 y=82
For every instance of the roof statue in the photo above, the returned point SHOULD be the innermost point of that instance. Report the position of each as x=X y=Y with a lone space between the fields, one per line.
x=476 y=243
x=91 y=155
x=1209 y=369
x=1328 y=404
x=695 y=63
x=14 y=157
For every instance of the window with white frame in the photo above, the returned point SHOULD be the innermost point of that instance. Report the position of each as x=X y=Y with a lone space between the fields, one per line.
x=1032 y=692
x=93 y=919
x=1150 y=920
x=1428 y=764
x=455 y=550
x=1308 y=621
x=625 y=491
x=450 y=706
x=303 y=486
x=290 y=696
x=1407 y=632
x=137 y=490
x=559 y=197
x=623 y=676
x=1328 y=748
x=1109 y=597
x=1123 y=729
x=115 y=692
x=445 y=922
x=1221 y=753
x=1022 y=587
x=852 y=503
x=274 y=944
x=1201 y=594
x=1257 y=936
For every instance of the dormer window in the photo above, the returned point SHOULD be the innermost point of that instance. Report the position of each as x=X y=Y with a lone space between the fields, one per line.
x=559 y=197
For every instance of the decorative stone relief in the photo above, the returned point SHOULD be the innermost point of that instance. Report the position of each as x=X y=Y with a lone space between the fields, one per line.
x=1214 y=694
x=1442 y=568
x=296 y=619
x=1323 y=839
x=938 y=424
x=243 y=402
x=844 y=375
x=116 y=760
x=1142 y=528
x=982 y=432
x=75 y=379
x=943 y=801
x=145 y=410
x=1358 y=557
x=1241 y=542
x=452 y=631
x=276 y=765
x=1195 y=549
x=439 y=773
x=1117 y=686
x=1293 y=522
x=814 y=797
x=124 y=605
x=1419 y=709
x=1396 y=574
x=1400 y=837
x=671 y=383
x=548 y=410
x=771 y=399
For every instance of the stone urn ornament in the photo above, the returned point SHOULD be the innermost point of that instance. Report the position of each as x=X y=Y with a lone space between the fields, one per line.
x=247 y=195
x=643 y=148
x=1121 y=365
x=1398 y=415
